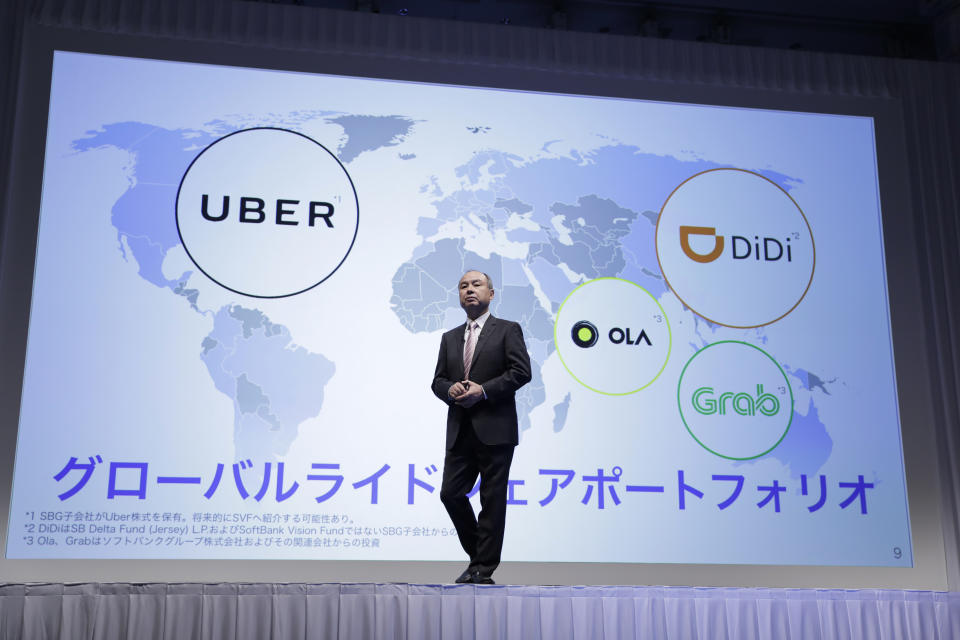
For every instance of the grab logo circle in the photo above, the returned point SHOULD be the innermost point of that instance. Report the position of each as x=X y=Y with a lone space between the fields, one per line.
x=267 y=212
x=735 y=248
x=735 y=400
x=612 y=336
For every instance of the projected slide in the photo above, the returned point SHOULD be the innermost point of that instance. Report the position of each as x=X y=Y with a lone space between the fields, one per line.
x=242 y=277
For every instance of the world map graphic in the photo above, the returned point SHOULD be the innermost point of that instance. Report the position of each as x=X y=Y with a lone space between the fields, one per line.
x=558 y=219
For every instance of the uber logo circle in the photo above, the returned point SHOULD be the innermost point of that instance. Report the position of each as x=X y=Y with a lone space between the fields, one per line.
x=267 y=212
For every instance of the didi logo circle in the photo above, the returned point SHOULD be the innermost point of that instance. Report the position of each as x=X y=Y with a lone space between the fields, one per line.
x=612 y=336
x=735 y=400
x=267 y=212
x=735 y=248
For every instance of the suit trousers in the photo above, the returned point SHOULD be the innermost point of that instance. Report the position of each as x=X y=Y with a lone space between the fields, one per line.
x=481 y=538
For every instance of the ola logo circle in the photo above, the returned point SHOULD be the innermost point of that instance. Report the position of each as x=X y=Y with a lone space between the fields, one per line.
x=735 y=400
x=623 y=346
x=267 y=212
x=735 y=248
x=584 y=334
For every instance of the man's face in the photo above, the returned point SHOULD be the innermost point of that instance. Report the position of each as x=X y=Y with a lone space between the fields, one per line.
x=475 y=294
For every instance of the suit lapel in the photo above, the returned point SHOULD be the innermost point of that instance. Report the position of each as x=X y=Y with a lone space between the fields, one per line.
x=488 y=329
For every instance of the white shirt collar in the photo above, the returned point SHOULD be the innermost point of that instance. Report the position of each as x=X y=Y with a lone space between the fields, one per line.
x=480 y=321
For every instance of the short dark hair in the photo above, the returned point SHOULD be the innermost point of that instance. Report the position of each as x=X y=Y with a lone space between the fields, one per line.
x=489 y=281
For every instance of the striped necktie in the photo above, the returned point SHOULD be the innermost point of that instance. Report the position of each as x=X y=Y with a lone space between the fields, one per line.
x=468 y=348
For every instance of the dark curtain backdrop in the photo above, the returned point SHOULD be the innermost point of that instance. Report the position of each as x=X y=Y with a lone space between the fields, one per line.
x=928 y=94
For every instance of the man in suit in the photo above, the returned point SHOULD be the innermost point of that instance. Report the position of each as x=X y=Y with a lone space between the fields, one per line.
x=481 y=365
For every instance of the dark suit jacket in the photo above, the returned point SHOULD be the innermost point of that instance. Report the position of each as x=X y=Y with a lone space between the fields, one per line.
x=500 y=364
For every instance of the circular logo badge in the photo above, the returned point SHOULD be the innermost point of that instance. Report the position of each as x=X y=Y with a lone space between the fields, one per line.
x=735 y=400
x=612 y=336
x=735 y=248
x=584 y=334
x=267 y=213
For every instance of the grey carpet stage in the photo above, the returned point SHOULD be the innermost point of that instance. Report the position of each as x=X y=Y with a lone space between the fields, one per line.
x=420 y=611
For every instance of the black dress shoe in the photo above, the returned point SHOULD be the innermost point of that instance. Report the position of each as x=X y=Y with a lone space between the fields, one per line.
x=466 y=577
x=479 y=579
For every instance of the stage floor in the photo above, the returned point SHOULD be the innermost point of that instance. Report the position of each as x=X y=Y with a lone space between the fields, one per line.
x=230 y=611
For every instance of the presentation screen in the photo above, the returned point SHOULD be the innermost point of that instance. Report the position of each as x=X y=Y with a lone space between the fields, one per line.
x=242 y=277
